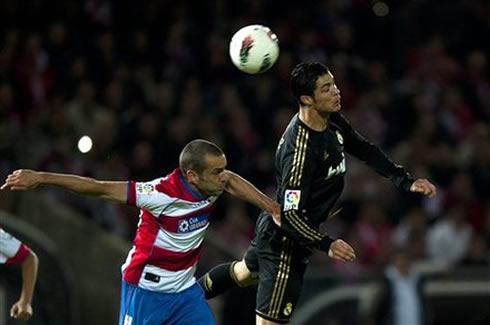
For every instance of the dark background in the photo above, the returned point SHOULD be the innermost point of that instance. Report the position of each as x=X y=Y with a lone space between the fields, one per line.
x=144 y=78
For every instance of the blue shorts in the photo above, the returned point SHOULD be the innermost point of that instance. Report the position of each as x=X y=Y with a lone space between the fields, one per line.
x=143 y=307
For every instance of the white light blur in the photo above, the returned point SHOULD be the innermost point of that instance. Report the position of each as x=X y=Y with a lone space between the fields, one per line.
x=85 y=144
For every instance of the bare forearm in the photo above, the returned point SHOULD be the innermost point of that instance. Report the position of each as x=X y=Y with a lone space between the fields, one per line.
x=29 y=276
x=244 y=190
x=74 y=183
x=109 y=190
x=26 y=179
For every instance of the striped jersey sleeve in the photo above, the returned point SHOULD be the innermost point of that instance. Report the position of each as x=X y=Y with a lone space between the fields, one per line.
x=12 y=251
x=297 y=167
x=148 y=196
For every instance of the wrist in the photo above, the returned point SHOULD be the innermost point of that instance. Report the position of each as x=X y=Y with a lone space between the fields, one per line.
x=24 y=301
x=325 y=243
x=269 y=207
x=42 y=178
x=406 y=184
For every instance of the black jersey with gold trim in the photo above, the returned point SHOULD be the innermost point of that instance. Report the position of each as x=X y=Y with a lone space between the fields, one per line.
x=310 y=168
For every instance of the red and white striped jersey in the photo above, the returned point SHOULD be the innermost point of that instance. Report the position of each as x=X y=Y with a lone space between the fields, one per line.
x=12 y=250
x=168 y=241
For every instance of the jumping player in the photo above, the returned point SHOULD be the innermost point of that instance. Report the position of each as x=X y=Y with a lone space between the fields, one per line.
x=310 y=168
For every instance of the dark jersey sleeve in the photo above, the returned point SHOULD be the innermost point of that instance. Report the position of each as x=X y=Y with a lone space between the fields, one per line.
x=297 y=168
x=356 y=145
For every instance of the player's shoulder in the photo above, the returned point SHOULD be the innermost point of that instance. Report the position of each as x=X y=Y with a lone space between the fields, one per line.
x=175 y=186
x=339 y=120
x=166 y=185
x=6 y=237
x=4 y=234
x=293 y=124
x=295 y=129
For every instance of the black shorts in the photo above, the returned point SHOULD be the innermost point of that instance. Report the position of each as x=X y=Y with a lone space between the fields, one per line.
x=280 y=264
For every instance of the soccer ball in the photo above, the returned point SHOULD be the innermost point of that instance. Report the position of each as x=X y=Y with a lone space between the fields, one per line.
x=254 y=49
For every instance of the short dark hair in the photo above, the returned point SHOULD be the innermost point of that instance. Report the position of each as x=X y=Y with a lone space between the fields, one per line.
x=192 y=157
x=304 y=77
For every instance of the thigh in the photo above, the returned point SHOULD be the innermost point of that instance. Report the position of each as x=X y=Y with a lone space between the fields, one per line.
x=263 y=229
x=251 y=257
x=125 y=309
x=191 y=308
x=242 y=274
x=280 y=279
x=139 y=306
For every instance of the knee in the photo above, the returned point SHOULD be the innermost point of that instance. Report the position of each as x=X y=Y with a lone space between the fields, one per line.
x=242 y=275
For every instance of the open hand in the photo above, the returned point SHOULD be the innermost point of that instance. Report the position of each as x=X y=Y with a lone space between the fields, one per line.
x=423 y=186
x=21 y=180
x=340 y=250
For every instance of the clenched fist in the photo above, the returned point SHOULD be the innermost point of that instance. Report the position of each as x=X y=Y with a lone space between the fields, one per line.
x=21 y=180
x=423 y=186
x=341 y=251
x=21 y=310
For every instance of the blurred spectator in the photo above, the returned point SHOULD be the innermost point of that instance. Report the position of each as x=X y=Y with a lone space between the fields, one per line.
x=477 y=253
x=83 y=109
x=374 y=232
x=400 y=300
x=142 y=87
x=237 y=231
x=448 y=240
x=461 y=194
x=412 y=225
x=33 y=70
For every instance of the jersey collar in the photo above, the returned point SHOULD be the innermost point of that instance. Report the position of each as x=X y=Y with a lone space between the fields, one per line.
x=195 y=194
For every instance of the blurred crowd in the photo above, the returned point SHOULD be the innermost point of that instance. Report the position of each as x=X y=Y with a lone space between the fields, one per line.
x=142 y=79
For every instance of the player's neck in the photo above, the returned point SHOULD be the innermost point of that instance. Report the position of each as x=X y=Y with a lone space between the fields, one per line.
x=192 y=186
x=313 y=119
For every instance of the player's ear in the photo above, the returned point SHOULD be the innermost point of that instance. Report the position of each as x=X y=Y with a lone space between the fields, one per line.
x=306 y=100
x=191 y=176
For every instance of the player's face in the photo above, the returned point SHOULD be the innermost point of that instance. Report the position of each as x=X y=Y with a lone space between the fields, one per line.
x=326 y=96
x=212 y=180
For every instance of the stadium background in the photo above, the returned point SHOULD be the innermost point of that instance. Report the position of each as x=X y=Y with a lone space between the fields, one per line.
x=143 y=79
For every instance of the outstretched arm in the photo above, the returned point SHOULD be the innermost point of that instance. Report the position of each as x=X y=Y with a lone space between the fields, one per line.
x=26 y=179
x=244 y=190
x=373 y=156
x=22 y=309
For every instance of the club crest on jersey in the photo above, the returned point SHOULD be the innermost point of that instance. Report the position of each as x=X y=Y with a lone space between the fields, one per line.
x=291 y=199
x=340 y=138
x=144 y=188
x=288 y=309
x=192 y=223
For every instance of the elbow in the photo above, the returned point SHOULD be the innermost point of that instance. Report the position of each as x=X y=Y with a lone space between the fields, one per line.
x=230 y=181
x=230 y=178
x=32 y=259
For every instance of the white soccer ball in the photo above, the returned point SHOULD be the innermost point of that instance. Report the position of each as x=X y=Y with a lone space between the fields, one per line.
x=254 y=49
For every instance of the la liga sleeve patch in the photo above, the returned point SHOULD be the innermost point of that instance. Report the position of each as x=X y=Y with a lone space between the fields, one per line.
x=291 y=199
x=144 y=188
